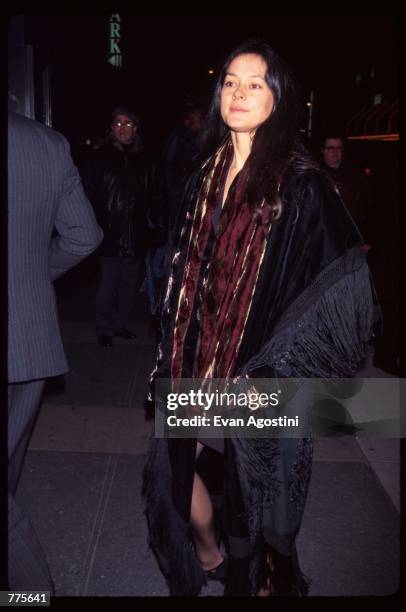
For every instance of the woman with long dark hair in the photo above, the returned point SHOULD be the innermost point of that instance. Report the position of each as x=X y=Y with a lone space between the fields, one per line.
x=268 y=280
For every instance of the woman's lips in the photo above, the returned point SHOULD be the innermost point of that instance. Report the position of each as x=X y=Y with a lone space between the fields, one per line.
x=237 y=109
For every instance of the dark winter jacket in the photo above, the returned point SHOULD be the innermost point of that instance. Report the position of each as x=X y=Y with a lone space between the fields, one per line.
x=117 y=182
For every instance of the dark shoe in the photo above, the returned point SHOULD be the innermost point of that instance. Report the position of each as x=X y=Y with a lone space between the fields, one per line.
x=126 y=335
x=218 y=573
x=105 y=341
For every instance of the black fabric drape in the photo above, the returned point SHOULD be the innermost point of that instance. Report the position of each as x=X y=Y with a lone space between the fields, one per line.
x=312 y=315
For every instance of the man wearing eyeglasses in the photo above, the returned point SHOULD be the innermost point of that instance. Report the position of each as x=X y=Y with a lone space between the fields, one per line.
x=124 y=129
x=332 y=152
x=117 y=185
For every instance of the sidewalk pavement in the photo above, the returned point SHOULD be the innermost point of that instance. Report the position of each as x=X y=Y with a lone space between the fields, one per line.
x=81 y=480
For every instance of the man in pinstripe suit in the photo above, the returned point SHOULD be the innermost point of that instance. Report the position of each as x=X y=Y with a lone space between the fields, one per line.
x=44 y=194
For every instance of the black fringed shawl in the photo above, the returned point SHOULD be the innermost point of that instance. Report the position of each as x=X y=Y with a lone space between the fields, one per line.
x=312 y=315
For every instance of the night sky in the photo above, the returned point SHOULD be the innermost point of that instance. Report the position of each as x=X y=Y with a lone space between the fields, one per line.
x=166 y=62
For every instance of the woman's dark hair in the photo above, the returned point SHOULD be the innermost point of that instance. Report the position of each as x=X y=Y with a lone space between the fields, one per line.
x=276 y=142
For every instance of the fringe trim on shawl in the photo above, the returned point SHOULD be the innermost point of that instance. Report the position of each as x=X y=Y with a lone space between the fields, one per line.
x=169 y=535
x=330 y=339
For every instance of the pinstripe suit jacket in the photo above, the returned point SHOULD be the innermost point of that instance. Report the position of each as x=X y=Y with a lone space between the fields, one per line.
x=44 y=193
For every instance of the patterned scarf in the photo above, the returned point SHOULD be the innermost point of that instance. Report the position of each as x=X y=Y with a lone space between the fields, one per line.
x=230 y=277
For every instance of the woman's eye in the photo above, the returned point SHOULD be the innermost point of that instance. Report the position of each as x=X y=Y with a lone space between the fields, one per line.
x=229 y=84
x=255 y=86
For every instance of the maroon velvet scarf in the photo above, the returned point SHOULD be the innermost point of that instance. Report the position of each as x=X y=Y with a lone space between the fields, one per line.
x=232 y=273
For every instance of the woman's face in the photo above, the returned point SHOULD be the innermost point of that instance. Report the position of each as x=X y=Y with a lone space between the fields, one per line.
x=246 y=99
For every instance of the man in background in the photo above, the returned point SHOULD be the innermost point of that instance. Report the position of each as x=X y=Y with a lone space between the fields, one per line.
x=352 y=184
x=116 y=183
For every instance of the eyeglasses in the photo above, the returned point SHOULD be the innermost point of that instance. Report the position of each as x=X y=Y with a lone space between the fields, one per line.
x=120 y=124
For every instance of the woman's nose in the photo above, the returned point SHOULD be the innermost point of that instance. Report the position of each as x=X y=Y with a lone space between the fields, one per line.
x=239 y=92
